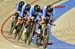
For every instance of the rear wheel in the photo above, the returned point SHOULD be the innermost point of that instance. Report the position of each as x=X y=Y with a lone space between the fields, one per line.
x=31 y=33
x=27 y=34
x=20 y=33
x=30 y=39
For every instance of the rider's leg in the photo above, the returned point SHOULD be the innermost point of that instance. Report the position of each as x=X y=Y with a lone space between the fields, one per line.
x=38 y=39
x=17 y=24
x=27 y=23
x=41 y=25
x=39 y=29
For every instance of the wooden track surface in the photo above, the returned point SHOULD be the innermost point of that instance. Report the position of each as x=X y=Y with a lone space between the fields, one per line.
x=64 y=29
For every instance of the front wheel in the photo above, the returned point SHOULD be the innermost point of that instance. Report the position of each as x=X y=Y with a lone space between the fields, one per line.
x=45 y=43
x=17 y=31
x=45 y=40
x=27 y=34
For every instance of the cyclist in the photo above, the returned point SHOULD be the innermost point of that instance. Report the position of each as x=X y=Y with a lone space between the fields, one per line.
x=23 y=13
x=47 y=17
x=34 y=13
x=47 y=12
x=15 y=14
x=34 y=16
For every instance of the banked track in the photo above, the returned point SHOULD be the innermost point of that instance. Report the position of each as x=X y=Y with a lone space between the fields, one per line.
x=4 y=22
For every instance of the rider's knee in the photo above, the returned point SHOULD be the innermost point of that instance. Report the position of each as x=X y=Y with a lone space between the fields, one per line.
x=18 y=22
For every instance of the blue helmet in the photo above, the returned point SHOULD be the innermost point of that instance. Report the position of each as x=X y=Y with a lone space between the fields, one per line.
x=37 y=8
x=49 y=8
x=21 y=3
x=28 y=6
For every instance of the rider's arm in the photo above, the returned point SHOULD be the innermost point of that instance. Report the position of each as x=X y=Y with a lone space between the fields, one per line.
x=44 y=12
x=52 y=15
x=22 y=11
x=52 y=18
x=43 y=15
x=31 y=11
x=21 y=14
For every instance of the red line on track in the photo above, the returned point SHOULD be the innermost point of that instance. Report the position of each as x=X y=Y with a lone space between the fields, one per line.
x=59 y=7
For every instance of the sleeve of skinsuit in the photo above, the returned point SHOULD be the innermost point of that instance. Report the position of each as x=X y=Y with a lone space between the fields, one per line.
x=17 y=7
x=22 y=12
x=31 y=11
x=38 y=16
x=52 y=15
x=44 y=12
